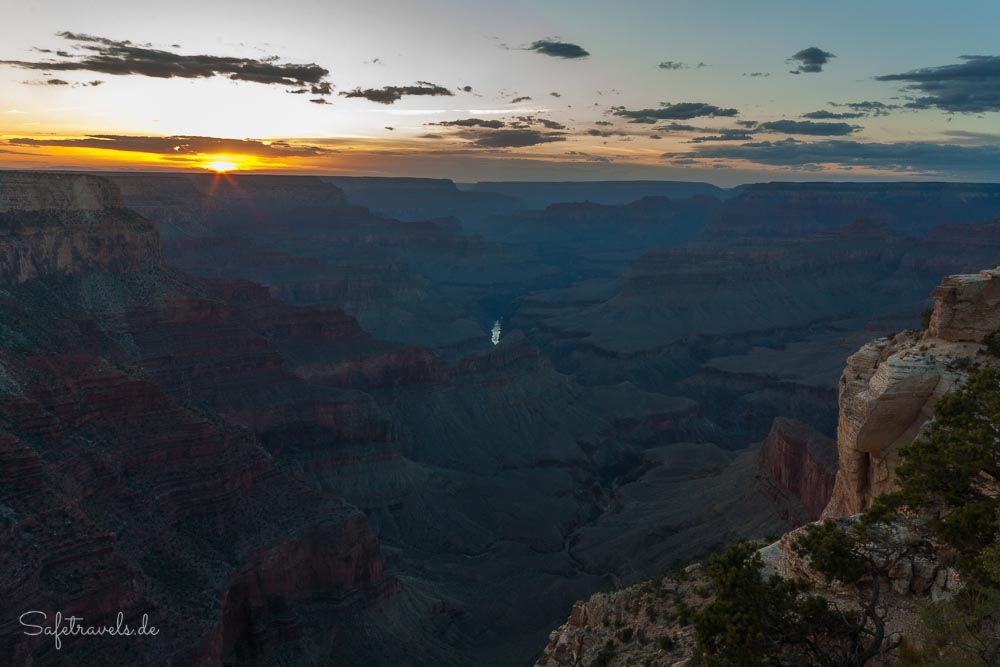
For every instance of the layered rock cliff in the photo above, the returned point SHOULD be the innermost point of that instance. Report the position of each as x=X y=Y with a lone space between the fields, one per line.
x=889 y=387
x=66 y=224
x=802 y=463
x=40 y=191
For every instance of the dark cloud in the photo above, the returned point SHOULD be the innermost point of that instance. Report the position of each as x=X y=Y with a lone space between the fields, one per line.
x=808 y=127
x=682 y=127
x=723 y=135
x=554 y=94
x=523 y=98
x=510 y=138
x=63 y=82
x=431 y=135
x=466 y=89
x=321 y=88
x=589 y=157
x=756 y=74
x=179 y=145
x=907 y=156
x=709 y=133
x=678 y=111
x=810 y=60
x=319 y=100
x=603 y=122
x=830 y=115
x=544 y=122
x=676 y=64
x=972 y=86
x=747 y=123
x=519 y=132
x=558 y=49
x=595 y=132
x=519 y=123
x=472 y=122
x=866 y=107
x=390 y=94
x=108 y=56
x=972 y=138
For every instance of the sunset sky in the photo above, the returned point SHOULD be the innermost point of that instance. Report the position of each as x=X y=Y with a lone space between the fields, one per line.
x=722 y=91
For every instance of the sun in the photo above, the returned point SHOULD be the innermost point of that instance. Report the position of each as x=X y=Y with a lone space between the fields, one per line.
x=220 y=166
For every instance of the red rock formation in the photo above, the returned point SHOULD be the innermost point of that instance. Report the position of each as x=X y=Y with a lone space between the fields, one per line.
x=801 y=462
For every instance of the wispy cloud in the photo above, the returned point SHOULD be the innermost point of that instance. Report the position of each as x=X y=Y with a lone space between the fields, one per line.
x=677 y=64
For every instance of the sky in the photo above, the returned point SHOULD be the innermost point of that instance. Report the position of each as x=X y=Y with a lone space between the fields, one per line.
x=720 y=91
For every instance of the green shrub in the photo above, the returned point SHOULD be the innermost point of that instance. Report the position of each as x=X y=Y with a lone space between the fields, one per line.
x=991 y=344
x=925 y=318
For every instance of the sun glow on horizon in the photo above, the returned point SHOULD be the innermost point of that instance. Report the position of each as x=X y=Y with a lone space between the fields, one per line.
x=220 y=166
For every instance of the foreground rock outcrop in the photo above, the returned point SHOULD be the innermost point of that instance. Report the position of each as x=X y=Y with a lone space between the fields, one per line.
x=888 y=390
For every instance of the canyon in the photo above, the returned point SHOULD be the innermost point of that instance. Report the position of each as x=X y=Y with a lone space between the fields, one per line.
x=887 y=396
x=269 y=410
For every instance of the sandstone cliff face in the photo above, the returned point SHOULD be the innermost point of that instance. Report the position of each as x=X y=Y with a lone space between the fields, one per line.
x=39 y=191
x=802 y=463
x=64 y=224
x=888 y=390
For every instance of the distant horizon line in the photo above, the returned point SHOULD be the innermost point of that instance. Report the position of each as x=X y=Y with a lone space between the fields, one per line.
x=257 y=172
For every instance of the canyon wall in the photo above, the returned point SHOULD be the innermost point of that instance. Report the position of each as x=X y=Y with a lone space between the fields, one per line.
x=802 y=463
x=39 y=191
x=65 y=224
